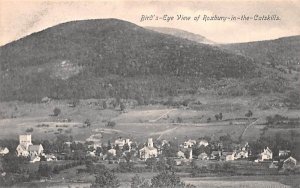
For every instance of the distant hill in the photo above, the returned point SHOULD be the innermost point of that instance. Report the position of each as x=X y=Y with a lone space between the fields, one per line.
x=109 y=58
x=182 y=34
x=283 y=51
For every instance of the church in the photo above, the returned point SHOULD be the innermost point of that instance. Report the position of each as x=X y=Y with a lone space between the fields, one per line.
x=148 y=151
x=27 y=149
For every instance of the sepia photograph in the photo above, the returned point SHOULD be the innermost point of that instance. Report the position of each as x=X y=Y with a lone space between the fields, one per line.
x=149 y=94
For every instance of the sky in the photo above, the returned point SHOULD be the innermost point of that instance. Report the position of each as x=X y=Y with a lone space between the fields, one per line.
x=19 y=18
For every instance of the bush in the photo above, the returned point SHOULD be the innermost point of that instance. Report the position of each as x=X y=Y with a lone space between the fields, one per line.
x=111 y=124
x=56 y=111
x=29 y=130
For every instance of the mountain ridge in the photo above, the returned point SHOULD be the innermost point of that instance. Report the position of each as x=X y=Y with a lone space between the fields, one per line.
x=80 y=59
x=182 y=34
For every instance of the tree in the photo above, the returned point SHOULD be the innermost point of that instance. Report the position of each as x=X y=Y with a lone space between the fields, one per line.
x=111 y=124
x=292 y=99
x=104 y=105
x=220 y=116
x=170 y=150
x=60 y=145
x=12 y=163
x=126 y=147
x=138 y=182
x=166 y=179
x=151 y=163
x=249 y=114
x=179 y=120
x=106 y=179
x=217 y=117
x=99 y=150
x=45 y=170
x=208 y=120
x=87 y=122
x=122 y=106
x=29 y=130
x=56 y=111
x=128 y=156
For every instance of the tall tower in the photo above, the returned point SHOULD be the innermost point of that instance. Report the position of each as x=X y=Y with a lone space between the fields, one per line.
x=25 y=140
x=150 y=142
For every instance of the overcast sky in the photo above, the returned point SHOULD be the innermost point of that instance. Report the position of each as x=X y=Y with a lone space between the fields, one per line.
x=20 y=18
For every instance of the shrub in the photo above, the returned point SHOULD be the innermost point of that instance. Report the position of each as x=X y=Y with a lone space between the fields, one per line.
x=111 y=124
x=29 y=130
x=56 y=111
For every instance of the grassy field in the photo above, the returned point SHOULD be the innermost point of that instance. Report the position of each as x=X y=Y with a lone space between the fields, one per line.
x=292 y=181
x=138 y=123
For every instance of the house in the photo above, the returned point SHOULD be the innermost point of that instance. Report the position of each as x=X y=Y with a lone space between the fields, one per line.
x=189 y=143
x=27 y=149
x=241 y=154
x=228 y=156
x=46 y=100
x=148 y=151
x=267 y=154
x=3 y=151
x=215 y=155
x=178 y=161
x=165 y=142
x=180 y=154
x=289 y=163
x=50 y=157
x=203 y=143
x=203 y=156
x=35 y=151
x=121 y=142
x=284 y=153
x=112 y=151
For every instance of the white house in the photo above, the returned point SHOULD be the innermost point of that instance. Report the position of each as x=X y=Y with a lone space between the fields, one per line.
x=241 y=154
x=267 y=154
x=203 y=156
x=189 y=143
x=203 y=143
x=50 y=157
x=289 y=163
x=148 y=151
x=112 y=151
x=284 y=153
x=121 y=142
x=3 y=151
x=228 y=156
x=180 y=154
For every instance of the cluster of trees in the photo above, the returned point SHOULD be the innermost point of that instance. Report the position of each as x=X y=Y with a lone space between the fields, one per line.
x=163 y=179
x=276 y=119
x=202 y=149
x=107 y=178
x=225 y=167
x=292 y=99
x=46 y=170
x=281 y=120
x=219 y=116
x=162 y=164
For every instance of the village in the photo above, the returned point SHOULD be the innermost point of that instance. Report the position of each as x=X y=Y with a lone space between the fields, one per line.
x=124 y=150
